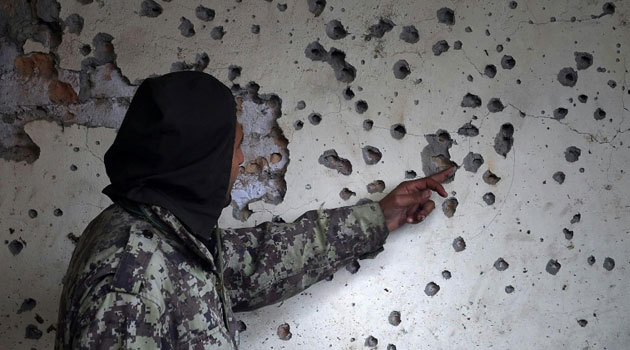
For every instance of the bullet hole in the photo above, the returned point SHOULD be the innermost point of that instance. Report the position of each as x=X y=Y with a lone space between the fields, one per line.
x=316 y=52
x=583 y=60
x=282 y=7
x=315 y=118
x=582 y=98
x=371 y=342
x=335 y=30
x=241 y=326
x=489 y=198
x=468 y=30
x=449 y=206
x=513 y=5
x=391 y=347
x=471 y=100
x=612 y=84
x=446 y=15
x=608 y=8
x=576 y=218
x=560 y=113
x=591 y=260
x=394 y=318
x=501 y=265
x=508 y=62
x=572 y=154
x=499 y=48
x=15 y=247
x=204 y=13
x=186 y=27
x=371 y=155
x=509 y=289
x=410 y=174
x=284 y=331
x=348 y=94
x=457 y=45
x=180 y=66
x=472 y=162
x=316 y=7
x=490 y=71
x=361 y=106
x=401 y=69
x=410 y=34
x=331 y=160
x=559 y=177
x=74 y=23
x=103 y=49
x=32 y=332
x=344 y=71
x=495 y=105
x=582 y=323
x=440 y=47
x=376 y=186
x=345 y=194
x=568 y=77
x=300 y=105
x=568 y=234
x=504 y=140
x=57 y=212
x=298 y=125
x=201 y=62
x=490 y=178
x=446 y=274
x=459 y=244
x=379 y=29
x=553 y=266
x=255 y=29
x=217 y=33
x=353 y=267
x=73 y=238
x=27 y=305
x=609 y=264
x=32 y=213
x=85 y=49
x=435 y=155
x=73 y=167
x=368 y=124
x=599 y=114
x=431 y=289
x=234 y=72
x=468 y=130
x=398 y=131
x=275 y=158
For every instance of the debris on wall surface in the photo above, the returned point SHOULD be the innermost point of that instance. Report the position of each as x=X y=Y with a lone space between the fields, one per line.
x=340 y=101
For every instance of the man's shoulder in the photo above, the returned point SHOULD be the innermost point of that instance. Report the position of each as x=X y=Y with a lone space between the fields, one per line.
x=121 y=245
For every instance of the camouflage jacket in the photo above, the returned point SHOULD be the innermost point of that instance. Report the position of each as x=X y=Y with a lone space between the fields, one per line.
x=145 y=282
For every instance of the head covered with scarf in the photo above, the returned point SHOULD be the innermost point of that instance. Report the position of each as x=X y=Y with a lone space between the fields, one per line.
x=174 y=148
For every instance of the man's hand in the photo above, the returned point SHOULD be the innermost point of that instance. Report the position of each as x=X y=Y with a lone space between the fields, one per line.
x=410 y=201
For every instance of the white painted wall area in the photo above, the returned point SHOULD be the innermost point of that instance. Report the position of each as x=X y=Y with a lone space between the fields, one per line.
x=524 y=226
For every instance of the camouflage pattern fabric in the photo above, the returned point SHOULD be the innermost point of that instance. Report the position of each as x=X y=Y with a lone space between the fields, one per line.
x=145 y=282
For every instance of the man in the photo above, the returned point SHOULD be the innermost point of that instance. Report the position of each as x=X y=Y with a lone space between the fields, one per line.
x=153 y=270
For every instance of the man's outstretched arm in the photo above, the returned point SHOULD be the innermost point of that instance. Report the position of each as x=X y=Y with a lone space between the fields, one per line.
x=271 y=262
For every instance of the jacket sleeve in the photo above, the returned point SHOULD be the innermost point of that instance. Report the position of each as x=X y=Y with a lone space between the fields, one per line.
x=271 y=262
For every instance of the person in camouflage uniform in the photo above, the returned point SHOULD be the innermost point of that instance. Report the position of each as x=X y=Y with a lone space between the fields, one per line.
x=154 y=271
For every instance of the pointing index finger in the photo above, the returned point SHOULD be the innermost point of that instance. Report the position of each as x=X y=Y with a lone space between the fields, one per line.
x=443 y=175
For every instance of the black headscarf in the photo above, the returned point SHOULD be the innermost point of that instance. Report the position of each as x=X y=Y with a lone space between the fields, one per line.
x=174 y=148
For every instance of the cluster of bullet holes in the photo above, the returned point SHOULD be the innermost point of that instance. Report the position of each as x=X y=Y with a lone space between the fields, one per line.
x=264 y=148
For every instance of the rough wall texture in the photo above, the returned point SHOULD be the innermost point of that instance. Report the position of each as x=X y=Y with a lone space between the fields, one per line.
x=341 y=100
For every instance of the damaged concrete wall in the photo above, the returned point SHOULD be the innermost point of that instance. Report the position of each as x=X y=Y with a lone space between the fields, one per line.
x=341 y=100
